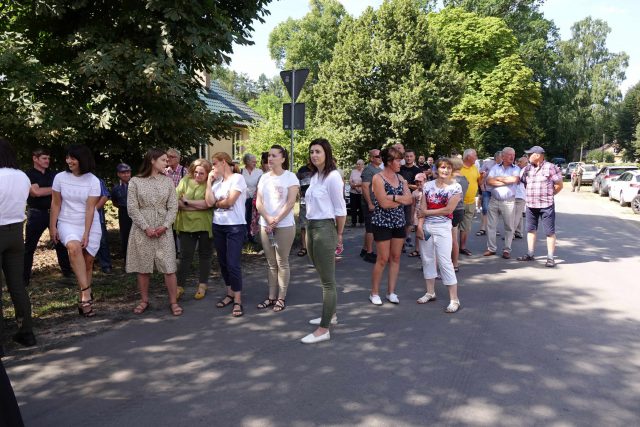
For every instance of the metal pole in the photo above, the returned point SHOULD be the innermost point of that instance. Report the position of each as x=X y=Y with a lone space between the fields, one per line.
x=603 y=142
x=293 y=110
x=581 y=145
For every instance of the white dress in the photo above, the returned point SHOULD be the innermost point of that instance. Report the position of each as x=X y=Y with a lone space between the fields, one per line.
x=75 y=190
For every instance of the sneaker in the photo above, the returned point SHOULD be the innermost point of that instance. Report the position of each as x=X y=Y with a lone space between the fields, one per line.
x=371 y=258
x=339 y=250
x=375 y=299
x=363 y=253
x=393 y=298
x=316 y=321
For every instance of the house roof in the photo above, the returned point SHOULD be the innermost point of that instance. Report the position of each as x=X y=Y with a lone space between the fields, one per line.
x=219 y=100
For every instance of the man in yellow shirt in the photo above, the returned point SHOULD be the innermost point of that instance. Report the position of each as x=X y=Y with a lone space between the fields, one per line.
x=469 y=171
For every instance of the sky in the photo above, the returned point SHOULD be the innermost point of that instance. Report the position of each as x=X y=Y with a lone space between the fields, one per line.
x=621 y=15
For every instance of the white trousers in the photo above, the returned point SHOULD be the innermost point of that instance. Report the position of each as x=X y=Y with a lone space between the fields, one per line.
x=438 y=247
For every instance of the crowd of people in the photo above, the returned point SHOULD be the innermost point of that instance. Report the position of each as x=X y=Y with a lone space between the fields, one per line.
x=168 y=211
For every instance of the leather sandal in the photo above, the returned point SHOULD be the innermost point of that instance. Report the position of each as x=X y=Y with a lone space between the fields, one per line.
x=141 y=308
x=266 y=304
x=176 y=310
x=279 y=305
x=237 y=312
x=223 y=302
x=85 y=308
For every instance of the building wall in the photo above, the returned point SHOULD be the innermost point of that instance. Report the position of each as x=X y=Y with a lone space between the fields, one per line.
x=232 y=146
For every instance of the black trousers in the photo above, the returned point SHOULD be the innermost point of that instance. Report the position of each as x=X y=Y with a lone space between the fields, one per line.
x=9 y=410
x=124 y=223
x=355 y=202
x=37 y=222
x=11 y=261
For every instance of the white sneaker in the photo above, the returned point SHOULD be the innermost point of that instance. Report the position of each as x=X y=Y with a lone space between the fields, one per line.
x=312 y=339
x=393 y=298
x=375 y=299
x=316 y=321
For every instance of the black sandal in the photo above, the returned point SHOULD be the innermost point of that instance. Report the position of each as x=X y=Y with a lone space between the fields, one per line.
x=481 y=233
x=302 y=252
x=85 y=308
x=266 y=304
x=237 y=313
x=414 y=254
x=279 y=305
x=223 y=302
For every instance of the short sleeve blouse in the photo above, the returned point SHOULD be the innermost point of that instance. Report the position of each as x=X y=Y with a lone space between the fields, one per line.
x=437 y=198
x=75 y=190
x=274 y=190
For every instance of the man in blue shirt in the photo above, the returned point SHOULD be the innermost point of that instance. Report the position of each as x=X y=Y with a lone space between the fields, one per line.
x=119 y=195
x=503 y=179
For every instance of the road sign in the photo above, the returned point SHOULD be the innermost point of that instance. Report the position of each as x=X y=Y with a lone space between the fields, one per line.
x=294 y=83
x=298 y=122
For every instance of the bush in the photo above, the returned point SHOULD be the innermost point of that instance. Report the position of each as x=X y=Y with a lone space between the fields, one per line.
x=599 y=156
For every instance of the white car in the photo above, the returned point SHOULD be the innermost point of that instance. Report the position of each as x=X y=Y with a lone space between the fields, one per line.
x=625 y=188
x=588 y=174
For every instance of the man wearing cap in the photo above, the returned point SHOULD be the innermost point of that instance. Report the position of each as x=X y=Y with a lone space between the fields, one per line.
x=542 y=180
x=119 y=200
x=38 y=206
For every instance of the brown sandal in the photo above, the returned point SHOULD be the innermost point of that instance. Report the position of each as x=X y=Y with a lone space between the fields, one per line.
x=279 y=305
x=141 y=308
x=237 y=312
x=223 y=302
x=176 y=310
x=266 y=304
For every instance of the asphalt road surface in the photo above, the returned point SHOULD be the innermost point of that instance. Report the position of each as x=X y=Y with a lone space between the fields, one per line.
x=531 y=346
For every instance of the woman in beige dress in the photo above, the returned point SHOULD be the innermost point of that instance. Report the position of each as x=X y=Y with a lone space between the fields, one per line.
x=153 y=204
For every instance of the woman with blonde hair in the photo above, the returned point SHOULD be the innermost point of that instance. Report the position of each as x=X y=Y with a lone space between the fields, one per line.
x=226 y=192
x=152 y=205
x=193 y=225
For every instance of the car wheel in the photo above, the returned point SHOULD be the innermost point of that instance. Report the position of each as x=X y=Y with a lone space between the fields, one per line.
x=635 y=204
x=621 y=200
x=602 y=192
x=594 y=188
x=610 y=195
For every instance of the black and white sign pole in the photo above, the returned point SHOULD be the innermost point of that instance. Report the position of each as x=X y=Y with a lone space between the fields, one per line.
x=293 y=81
x=293 y=110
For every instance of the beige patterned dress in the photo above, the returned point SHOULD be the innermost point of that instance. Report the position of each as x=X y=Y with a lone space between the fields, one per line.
x=151 y=202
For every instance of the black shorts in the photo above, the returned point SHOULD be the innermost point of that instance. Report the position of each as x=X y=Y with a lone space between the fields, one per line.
x=548 y=216
x=368 y=227
x=380 y=234
x=458 y=216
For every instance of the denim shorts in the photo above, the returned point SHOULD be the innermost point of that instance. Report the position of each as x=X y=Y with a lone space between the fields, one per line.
x=548 y=216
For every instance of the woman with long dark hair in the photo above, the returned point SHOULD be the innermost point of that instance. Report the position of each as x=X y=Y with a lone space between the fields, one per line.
x=227 y=193
x=152 y=204
x=326 y=215
x=74 y=220
x=276 y=195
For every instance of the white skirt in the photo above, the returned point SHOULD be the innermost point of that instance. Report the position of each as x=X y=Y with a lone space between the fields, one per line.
x=70 y=232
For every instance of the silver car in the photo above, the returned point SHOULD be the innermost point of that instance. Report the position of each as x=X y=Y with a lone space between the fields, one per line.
x=588 y=174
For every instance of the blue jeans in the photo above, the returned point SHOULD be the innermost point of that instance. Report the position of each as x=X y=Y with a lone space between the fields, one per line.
x=228 y=240
x=486 y=197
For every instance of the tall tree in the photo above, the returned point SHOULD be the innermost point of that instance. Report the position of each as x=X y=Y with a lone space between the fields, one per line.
x=386 y=82
x=118 y=76
x=590 y=76
x=628 y=118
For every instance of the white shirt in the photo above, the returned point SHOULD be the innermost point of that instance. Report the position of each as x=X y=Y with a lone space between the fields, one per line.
x=14 y=191
x=325 y=198
x=274 y=190
x=221 y=190
x=252 y=178
x=75 y=190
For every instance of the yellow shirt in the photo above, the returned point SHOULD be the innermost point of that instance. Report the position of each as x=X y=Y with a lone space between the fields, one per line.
x=472 y=175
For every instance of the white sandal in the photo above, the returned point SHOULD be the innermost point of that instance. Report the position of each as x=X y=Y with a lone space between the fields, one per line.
x=454 y=305
x=426 y=298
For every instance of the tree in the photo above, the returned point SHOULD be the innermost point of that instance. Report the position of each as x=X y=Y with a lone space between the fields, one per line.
x=118 y=76
x=386 y=82
x=628 y=118
x=590 y=76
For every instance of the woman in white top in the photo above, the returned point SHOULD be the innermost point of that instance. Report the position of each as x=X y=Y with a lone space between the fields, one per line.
x=14 y=190
x=326 y=215
x=74 y=220
x=434 y=233
x=276 y=195
x=227 y=193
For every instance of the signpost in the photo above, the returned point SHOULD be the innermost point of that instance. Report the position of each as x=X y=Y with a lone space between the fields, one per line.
x=293 y=114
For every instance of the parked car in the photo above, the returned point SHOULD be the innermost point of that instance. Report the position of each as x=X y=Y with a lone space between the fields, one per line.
x=570 y=167
x=625 y=188
x=588 y=174
x=606 y=175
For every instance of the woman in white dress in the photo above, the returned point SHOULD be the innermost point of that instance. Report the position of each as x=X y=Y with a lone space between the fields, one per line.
x=74 y=220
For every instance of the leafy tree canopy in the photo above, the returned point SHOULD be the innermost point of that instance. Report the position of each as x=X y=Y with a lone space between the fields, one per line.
x=118 y=76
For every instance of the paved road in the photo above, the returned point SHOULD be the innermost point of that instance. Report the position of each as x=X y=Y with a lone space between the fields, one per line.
x=532 y=346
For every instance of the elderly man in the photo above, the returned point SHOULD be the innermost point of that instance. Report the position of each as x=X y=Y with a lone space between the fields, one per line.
x=503 y=179
x=469 y=171
x=521 y=202
x=543 y=180
x=174 y=170
x=367 y=203
x=486 y=190
x=251 y=176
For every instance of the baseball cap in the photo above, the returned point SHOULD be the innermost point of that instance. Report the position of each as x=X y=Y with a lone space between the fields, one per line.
x=123 y=167
x=535 y=149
